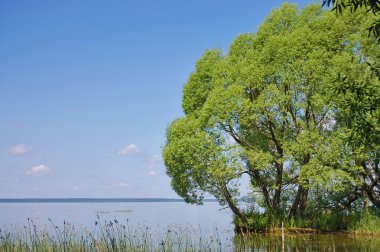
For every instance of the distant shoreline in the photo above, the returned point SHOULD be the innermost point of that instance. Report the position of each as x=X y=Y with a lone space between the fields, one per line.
x=93 y=200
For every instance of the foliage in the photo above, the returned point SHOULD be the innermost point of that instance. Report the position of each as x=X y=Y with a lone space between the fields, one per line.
x=339 y=5
x=371 y=6
x=367 y=222
x=305 y=242
x=116 y=236
x=282 y=108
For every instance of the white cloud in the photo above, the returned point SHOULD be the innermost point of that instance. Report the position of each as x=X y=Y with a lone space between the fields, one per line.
x=129 y=150
x=122 y=184
x=152 y=162
x=38 y=170
x=77 y=188
x=18 y=149
x=155 y=159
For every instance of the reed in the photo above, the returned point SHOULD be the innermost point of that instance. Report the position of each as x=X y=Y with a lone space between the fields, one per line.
x=111 y=235
x=365 y=223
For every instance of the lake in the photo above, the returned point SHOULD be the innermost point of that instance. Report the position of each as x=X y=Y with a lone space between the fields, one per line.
x=207 y=221
x=155 y=214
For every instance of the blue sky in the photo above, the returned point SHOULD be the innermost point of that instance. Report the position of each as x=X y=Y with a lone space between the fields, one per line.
x=87 y=89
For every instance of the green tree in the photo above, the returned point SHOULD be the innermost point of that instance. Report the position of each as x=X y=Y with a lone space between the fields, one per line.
x=358 y=107
x=267 y=110
x=359 y=115
x=371 y=6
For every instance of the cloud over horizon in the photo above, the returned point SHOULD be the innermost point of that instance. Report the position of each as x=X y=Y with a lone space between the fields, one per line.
x=129 y=150
x=38 y=170
x=122 y=184
x=18 y=149
x=152 y=162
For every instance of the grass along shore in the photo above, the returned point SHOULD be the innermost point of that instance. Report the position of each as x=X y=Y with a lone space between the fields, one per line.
x=116 y=236
x=112 y=236
x=355 y=222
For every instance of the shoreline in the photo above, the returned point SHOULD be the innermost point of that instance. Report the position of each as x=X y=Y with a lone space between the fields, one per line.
x=115 y=236
x=305 y=231
x=93 y=200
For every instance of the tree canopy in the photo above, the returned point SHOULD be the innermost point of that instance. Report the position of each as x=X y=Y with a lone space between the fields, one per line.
x=371 y=6
x=294 y=107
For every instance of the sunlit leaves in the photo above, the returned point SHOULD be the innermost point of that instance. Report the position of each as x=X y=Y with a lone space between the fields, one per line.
x=371 y=6
x=277 y=107
x=200 y=82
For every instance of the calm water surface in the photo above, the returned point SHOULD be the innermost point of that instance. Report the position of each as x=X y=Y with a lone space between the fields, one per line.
x=152 y=214
x=162 y=215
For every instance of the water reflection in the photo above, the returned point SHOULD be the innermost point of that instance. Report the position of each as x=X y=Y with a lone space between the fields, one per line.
x=204 y=228
x=306 y=242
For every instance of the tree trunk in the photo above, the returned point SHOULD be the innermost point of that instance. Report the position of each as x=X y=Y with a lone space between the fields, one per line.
x=293 y=209
x=365 y=204
x=257 y=177
x=373 y=198
x=278 y=191
x=233 y=207
x=303 y=202
x=300 y=202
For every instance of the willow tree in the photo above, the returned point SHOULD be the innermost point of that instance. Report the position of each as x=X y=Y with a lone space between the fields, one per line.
x=372 y=7
x=267 y=110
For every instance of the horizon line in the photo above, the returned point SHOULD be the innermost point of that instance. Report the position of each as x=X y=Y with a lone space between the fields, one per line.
x=91 y=200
